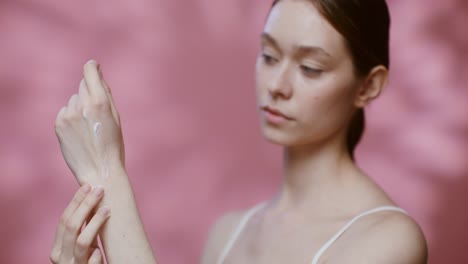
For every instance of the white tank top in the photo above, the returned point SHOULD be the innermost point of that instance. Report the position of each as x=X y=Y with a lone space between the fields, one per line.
x=235 y=234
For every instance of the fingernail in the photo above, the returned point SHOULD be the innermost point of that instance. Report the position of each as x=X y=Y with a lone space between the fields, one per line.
x=91 y=61
x=98 y=191
x=86 y=188
x=104 y=211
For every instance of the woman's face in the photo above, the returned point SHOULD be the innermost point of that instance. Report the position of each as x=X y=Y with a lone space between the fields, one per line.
x=305 y=71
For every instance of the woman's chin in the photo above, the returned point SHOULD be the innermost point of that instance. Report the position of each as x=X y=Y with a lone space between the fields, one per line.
x=278 y=137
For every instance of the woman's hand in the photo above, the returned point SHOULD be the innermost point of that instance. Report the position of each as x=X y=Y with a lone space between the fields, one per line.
x=88 y=129
x=74 y=245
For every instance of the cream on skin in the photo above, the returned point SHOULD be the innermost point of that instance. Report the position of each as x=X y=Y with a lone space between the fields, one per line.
x=85 y=114
x=105 y=160
x=97 y=127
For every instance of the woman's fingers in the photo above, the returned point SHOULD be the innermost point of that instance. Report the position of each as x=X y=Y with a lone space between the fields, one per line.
x=95 y=243
x=99 y=92
x=93 y=82
x=73 y=243
x=77 y=220
x=84 y=97
x=83 y=92
x=76 y=201
x=96 y=257
x=59 y=120
x=85 y=240
x=72 y=104
x=109 y=97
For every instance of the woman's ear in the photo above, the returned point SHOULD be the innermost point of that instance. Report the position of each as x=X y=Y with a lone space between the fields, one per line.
x=372 y=86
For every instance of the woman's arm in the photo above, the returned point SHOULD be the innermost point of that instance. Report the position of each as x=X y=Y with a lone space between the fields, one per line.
x=123 y=236
x=90 y=137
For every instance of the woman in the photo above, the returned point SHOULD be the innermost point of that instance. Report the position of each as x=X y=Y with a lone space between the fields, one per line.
x=321 y=63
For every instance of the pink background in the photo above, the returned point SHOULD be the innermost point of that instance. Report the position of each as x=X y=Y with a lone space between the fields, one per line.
x=182 y=73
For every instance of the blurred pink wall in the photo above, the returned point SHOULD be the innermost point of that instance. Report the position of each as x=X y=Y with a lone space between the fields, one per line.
x=182 y=74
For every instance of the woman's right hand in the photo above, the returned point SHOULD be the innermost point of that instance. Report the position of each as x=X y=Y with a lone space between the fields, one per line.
x=74 y=245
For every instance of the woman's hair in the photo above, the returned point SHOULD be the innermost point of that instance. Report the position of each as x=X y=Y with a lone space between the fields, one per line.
x=365 y=26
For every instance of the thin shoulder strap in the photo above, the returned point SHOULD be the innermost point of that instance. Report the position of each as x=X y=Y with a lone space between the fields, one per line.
x=344 y=228
x=235 y=234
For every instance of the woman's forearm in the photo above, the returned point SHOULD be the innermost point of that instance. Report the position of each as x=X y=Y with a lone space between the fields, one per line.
x=123 y=236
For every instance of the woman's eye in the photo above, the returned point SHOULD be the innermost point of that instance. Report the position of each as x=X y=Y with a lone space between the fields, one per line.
x=268 y=59
x=310 y=71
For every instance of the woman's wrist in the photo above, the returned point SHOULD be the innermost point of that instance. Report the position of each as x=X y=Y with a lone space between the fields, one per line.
x=105 y=176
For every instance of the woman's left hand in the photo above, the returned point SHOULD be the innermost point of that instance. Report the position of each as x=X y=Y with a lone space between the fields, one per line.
x=74 y=245
x=89 y=131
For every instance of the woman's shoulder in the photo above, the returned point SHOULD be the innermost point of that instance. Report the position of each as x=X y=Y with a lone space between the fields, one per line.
x=388 y=237
x=219 y=235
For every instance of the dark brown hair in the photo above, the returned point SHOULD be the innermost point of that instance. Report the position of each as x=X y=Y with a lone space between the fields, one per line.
x=365 y=25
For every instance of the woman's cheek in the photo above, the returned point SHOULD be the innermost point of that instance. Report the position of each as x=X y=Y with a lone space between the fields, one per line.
x=263 y=76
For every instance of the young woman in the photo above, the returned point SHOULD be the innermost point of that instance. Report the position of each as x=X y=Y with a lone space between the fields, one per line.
x=321 y=63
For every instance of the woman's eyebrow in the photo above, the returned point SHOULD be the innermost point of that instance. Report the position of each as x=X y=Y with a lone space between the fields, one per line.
x=305 y=50
x=269 y=39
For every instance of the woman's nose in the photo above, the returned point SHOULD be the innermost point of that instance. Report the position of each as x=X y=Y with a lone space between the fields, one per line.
x=280 y=84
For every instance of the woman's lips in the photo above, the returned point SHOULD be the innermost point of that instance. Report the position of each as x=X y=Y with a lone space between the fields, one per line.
x=275 y=116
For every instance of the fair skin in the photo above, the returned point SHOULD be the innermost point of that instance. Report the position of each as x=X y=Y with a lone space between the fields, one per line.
x=90 y=137
x=304 y=71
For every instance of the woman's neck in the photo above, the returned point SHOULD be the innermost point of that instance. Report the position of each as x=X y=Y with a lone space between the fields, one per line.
x=315 y=177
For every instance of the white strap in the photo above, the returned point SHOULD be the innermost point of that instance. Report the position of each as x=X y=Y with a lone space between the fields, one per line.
x=342 y=230
x=237 y=231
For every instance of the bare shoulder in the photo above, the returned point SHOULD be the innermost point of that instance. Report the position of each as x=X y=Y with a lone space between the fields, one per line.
x=390 y=237
x=219 y=235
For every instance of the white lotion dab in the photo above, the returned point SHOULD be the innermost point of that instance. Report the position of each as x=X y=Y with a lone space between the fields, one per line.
x=85 y=114
x=97 y=128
